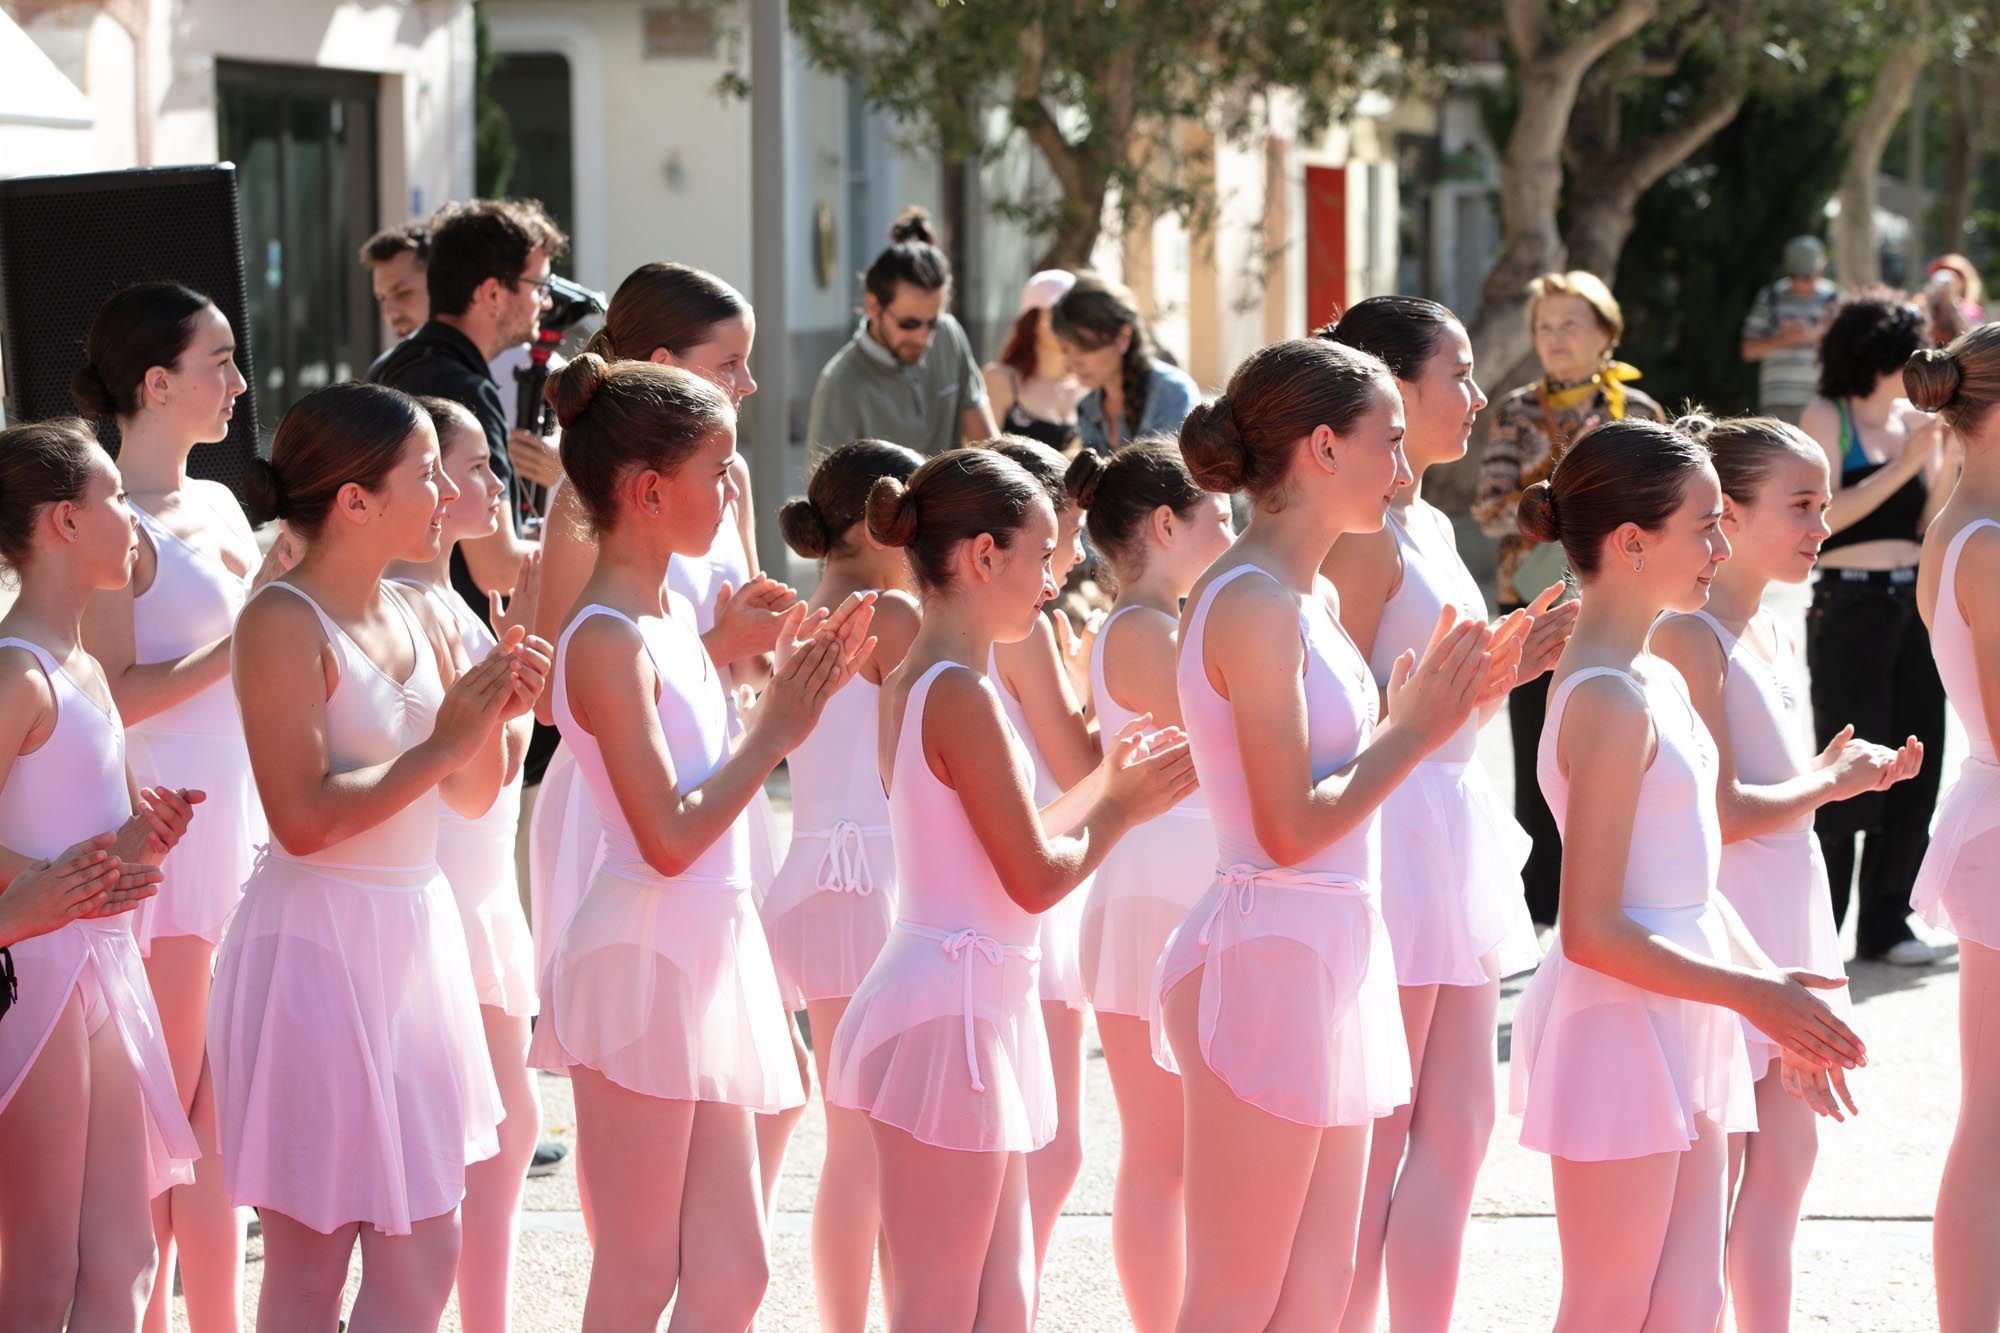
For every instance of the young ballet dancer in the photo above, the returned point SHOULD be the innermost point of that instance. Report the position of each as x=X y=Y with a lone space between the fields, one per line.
x=160 y=360
x=1451 y=852
x=476 y=854
x=674 y=315
x=660 y=1001
x=1278 y=990
x=834 y=899
x=1746 y=678
x=91 y=1121
x=942 y=1046
x=1045 y=712
x=1954 y=890
x=344 y=1011
x=1156 y=531
x=1629 y=1068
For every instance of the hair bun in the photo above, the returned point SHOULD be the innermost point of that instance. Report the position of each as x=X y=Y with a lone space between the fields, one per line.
x=571 y=388
x=892 y=513
x=1536 y=514
x=91 y=394
x=263 y=491
x=1212 y=444
x=1695 y=421
x=1084 y=475
x=804 y=529
x=1931 y=378
x=913 y=225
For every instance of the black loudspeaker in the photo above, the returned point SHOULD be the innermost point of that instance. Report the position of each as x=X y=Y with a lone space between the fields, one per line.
x=67 y=242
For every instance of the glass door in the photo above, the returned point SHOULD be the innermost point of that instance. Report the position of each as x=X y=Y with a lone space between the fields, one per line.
x=304 y=145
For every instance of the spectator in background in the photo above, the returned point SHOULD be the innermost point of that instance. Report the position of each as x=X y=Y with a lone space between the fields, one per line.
x=396 y=259
x=1953 y=295
x=1130 y=388
x=1576 y=323
x=1783 y=330
x=1029 y=385
x=908 y=374
x=1867 y=651
x=487 y=280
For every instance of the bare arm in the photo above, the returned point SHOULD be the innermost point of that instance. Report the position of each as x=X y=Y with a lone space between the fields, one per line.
x=1032 y=672
x=1606 y=744
x=965 y=744
x=284 y=673
x=978 y=423
x=1978 y=571
x=1255 y=659
x=1851 y=504
x=144 y=690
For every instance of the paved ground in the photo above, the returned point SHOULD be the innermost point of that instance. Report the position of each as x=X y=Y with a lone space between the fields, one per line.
x=1863 y=1251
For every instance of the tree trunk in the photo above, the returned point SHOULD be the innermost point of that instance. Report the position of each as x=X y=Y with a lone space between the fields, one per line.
x=1605 y=194
x=1955 y=206
x=1550 y=73
x=1855 y=253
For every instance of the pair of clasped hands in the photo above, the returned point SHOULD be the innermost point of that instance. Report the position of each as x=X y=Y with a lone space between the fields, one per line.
x=101 y=876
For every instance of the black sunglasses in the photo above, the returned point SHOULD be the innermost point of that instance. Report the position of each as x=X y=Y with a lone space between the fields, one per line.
x=912 y=325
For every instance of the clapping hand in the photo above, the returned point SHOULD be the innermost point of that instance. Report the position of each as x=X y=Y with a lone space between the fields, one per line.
x=1549 y=632
x=1821 y=1088
x=85 y=881
x=523 y=602
x=1148 y=772
x=157 y=825
x=747 y=619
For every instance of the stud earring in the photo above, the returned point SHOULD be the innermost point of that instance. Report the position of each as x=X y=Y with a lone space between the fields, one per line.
x=1640 y=568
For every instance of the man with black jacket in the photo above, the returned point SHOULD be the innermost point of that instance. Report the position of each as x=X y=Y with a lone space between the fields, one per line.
x=487 y=276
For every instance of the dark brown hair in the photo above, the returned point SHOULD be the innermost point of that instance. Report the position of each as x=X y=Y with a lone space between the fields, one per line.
x=411 y=238
x=41 y=463
x=448 y=414
x=836 y=498
x=1871 y=336
x=1961 y=382
x=1243 y=440
x=145 y=325
x=622 y=416
x=1092 y=314
x=481 y=239
x=1628 y=471
x=659 y=305
x=348 y=432
x=1123 y=492
x=1044 y=464
x=951 y=499
x=912 y=257
x=1746 y=450
x=1404 y=331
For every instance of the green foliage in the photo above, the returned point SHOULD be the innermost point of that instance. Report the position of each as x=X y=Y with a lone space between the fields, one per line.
x=1096 y=84
x=1710 y=234
x=493 y=148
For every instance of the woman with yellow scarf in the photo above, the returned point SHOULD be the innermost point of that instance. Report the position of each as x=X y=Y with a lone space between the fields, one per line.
x=1576 y=323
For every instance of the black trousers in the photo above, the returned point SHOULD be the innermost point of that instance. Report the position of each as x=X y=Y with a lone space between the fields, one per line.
x=1871 y=665
x=1527 y=709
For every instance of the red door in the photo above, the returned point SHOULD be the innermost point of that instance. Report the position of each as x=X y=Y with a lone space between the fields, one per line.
x=1326 y=243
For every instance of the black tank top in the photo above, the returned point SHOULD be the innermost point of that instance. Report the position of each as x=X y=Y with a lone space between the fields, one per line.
x=1020 y=421
x=1898 y=518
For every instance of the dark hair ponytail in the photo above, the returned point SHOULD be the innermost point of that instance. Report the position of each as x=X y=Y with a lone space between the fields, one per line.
x=41 y=463
x=138 y=327
x=618 y=416
x=1628 y=471
x=1402 y=331
x=344 y=433
x=912 y=258
x=951 y=499
x=1123 y=492
x=1243 y=440
x=837 y=496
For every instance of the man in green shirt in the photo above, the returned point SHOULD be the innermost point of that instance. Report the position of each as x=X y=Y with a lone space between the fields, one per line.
x=908 y=374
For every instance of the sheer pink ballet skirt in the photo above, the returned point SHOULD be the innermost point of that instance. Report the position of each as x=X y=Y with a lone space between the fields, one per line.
x=477 y=856
x=1141 y=893
x=1778 y=886
x=99 y=960
x=565 y=846
x=1451 y=879
x=1958 y=887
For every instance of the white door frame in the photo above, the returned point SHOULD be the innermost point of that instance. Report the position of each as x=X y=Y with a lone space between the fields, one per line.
x=527 y=34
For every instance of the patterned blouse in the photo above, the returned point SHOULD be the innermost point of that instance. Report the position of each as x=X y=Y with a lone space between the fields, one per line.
x=1521 y=452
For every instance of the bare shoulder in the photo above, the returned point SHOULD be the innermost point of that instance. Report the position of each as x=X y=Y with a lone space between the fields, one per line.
x=1146 y=633
x=1689 y=644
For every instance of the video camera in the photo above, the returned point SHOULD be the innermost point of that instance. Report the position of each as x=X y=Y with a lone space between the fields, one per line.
x=569 y=303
